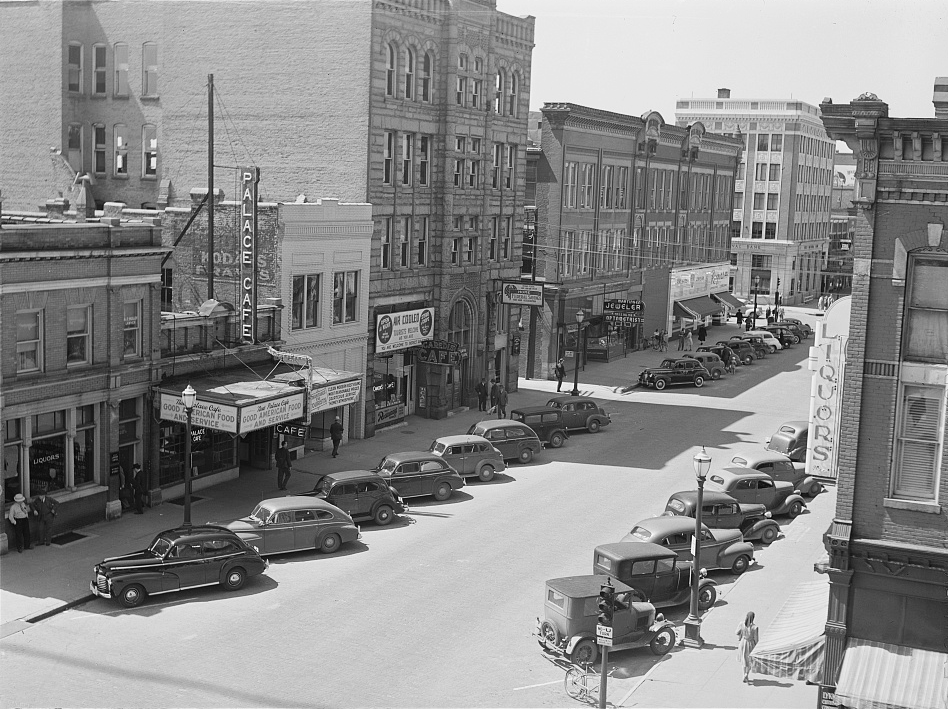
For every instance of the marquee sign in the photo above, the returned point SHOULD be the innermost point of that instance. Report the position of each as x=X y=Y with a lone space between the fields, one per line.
x=398 y=331
x=249 y=179
x=220 y=417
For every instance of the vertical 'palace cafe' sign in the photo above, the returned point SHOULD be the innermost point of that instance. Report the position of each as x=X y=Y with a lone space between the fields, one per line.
x=249 y=177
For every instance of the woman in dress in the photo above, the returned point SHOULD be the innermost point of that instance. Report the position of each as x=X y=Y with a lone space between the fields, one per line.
x=747 y=632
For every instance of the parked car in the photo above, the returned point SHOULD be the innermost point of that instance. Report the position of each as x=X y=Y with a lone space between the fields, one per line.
x=471 y=456
x=675 y=371
x=720 y=549
x=780 y=467
x=746 y=485
x=655 y=573
x=361 y=494
x=782 y=334
x=419 y=474
x=791 y=440
x=773 y=343
x=798 y=331
x=721 y=511
x=806 y=329
x=710 y=361
x=744 y=350
x=515 y=441
x=580 y=412
x=760 y=347
x=178 y=559
x=570 y=615
x=726 y=354
x=548 y=423
x=295 y=523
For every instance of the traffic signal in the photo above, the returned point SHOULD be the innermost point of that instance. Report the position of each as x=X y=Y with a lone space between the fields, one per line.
x=778 y=283
x=607 y=599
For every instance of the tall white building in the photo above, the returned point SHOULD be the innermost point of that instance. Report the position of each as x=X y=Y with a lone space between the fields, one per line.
x=783 y=192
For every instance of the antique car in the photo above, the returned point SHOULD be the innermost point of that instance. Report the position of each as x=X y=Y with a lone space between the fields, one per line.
x=547 y=422
x=178 y=559
x=471 y=456
x=710 y=361
x=674 y=371
x=720 y=549
x=420 y=473
x=580 y=412
x=744 y=350
x=515 y=441
x=654 y=573
x=780 y=467
x=295 y=523
x=782 y=334
x=721 y=511
x=727 y=355
x=757 y=342
x=798 y=331
x=361 y=494
x=791 y=440
x=746 y=485
x=773 y=343
x=570 y=616
x=804 y=328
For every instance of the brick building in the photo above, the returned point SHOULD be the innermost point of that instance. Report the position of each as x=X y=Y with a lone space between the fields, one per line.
x=627 y=208
x=886 y=632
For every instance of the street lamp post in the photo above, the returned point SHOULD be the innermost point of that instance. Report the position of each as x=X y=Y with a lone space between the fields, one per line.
x=189 y=399
x=579 y=329
x=693 y=622
x=756 y=288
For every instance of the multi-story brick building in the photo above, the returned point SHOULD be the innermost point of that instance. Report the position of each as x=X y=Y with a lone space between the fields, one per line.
x=886 y=632
x=782 y=196
x=627 y=208
x=418 y=107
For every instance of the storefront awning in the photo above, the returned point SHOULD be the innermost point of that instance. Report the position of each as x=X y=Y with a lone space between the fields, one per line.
x=883 y=676
x=696 y=308
x=329 y=388
x=728 y=300
x=792 y=645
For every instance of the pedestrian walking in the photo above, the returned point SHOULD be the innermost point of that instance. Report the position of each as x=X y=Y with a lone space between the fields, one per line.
x=501 y=402
x=702 y=334
x=747 y=633
x=559 y=371
x=494 y=390
x=44 y=508
x=19 y=516
x=681 y=340
x=335 y=432
x=137 y=484
x=663 y=341
x=283 y=465
x=740 y=318
x=481 y=389
x=689 y=342
x=767 y=313
x=780 y=313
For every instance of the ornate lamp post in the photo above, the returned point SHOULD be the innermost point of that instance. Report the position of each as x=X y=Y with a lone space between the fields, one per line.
x=580 y=315
x=189 y=399
x=693 y=622
x=756 y=288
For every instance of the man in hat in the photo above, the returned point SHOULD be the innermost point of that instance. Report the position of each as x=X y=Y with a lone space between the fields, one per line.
x=560 y=371
x=335 y=432
x=137 y=484
x=44 y=508
x=481 y=390
x=19 y=516
x=283 y=466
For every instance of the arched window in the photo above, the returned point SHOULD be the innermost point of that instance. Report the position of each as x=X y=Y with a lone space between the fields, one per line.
x=390 y=71
x=426 y=64
x=461 y=325
x=409 y=73
x=514 y=97
x=499 y=86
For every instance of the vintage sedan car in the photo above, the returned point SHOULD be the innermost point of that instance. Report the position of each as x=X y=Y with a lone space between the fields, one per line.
x=547 y=422
x=780 y=467
x=774 y=343
x=675 y=371
x=361 y=494
x=580 y=412
x=791 y=440
x=420 y=473
x=761 y=349
x=800 y=333
x=295 y=523
x=654 y=573
x=515 y=441
x=178 y=559
x=744 y=350
x=727 y=355
x=721 y=511
x=471 y=456
x=746 y=485
x=720 y=549
x=782 y=335
x=710 y=361
x=571 y=611
x=806 y=329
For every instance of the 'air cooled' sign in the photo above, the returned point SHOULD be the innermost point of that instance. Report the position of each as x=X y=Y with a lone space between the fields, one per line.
x=249 y=177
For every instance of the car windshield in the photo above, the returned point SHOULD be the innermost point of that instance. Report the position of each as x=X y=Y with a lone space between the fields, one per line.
x=667 y=363
x=387 y=465
x=738 y=460
x=261 y=514
x=160 y=546
x=437 y=448
x=323 y=486
x=641 y=533
x=555 y=404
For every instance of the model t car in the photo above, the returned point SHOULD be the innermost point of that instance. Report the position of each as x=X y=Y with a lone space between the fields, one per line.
x=571 y=609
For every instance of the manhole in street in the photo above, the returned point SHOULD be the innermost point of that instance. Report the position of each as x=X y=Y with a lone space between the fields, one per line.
x=410 y=433
x=67 y=538
x=180 y=500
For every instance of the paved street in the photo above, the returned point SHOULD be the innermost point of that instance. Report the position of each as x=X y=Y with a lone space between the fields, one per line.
x=438 y=609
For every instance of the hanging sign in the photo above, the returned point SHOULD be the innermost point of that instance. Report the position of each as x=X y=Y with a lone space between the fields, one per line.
x=398 y=331
x=332 y=396
x=522 y=293
x=623 y=312
x=249 y=178
x=268 y=413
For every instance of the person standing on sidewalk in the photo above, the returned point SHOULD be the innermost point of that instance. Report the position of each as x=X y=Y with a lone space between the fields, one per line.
x=19 y=516
x=335 y=432
x=747 y=632
x=681 y=340
x=481 y=390
x=740 y=318
x=560 y=371
x=283 y=465
x=702 y=334
x=689 y=342
x=501 y=402
x=44 y=508
x=137 y=483
x=494 y=390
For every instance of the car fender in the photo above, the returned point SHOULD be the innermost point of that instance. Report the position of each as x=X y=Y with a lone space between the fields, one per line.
x=736 y=550
x=794 y=497
x=705 y=582
x=807 y=483
x=574 y=640
x=659 y=625
x=757 y=529
x=150 y=581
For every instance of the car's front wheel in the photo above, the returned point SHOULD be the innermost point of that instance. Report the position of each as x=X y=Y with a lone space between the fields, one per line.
x=795 y=509
x=660 y=384
x=768 y=535
x=815 y=489
x=331 y=543
x=234 y=578
x=486 y=473
x=796 y=339
x=594 y=426
x=706 y=597
x=526 y=455
x=133 y=595
x=699 y=381
x=773 y=349
x=443 y=491
x=556 y=439
x=715 y=373
x=740 y=564
x=585 y=652
x=383 y=515
x=663 y=642
x=748 y=359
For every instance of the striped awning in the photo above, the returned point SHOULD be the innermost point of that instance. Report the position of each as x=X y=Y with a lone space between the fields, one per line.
x=696 y=308
x=728 y=299
x=883 y=676
x=792 y=644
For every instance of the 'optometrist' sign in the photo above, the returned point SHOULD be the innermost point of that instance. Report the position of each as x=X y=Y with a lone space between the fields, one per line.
x=249 y=177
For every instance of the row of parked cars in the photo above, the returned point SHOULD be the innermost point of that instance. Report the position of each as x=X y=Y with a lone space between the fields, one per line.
x=325 y=517
x=711 y=362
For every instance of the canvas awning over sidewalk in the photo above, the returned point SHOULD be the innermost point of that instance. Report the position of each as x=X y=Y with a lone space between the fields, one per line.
x=728 y=300
x=696 y=308
x=883 y=676
x=792 y=645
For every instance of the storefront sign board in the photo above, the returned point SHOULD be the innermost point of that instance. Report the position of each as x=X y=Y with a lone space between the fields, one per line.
x=249 y=177
x=398 y=331
x=220 y=417
x=269 y=413
x=521 y=293
x=332 y=396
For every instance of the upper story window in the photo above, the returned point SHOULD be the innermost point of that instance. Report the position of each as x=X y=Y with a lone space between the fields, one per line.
x=388 y=157
x=132 y=329
x=408 y=158
x=120 y=59
x=920 y=436
x=500 y=86
x=462 y=62
x=345 y=297
x=425 y=88
x=763 y=142
x=149 y=150
x=514 y=97
x=305 y=312
x=478 y=65
x=424 y=160
x=386 y=253
x=511 y=164
x=74 y=146
x=98 y=149
x=78 y=334
x=776 y=142
x=422 y=242
x=29 y=341
x=149 y=69
x=120 y=133
x=390 y=63
x=74 y=68
x=99 y=70
x=409 y=73
x=925 y=337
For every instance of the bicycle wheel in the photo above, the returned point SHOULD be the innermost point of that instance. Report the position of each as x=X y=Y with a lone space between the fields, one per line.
x=575 y=682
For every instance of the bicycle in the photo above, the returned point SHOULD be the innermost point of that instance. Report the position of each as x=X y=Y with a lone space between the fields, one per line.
x=578 y=684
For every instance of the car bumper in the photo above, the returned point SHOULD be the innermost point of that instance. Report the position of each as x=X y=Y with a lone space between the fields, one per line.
x=101 y=592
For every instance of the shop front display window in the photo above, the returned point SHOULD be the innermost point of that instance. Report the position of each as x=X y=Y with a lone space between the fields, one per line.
x=211 y=452
x=47 y=464
x=11 y=459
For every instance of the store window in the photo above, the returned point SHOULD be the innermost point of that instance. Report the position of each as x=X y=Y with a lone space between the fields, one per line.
x=83 y=466
x=129 y=434
x=47 y=454
x=11 y=459
x=211 y=451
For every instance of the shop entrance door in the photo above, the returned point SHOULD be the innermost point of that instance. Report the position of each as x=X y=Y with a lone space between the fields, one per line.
x=260 y=448
x=408 y=387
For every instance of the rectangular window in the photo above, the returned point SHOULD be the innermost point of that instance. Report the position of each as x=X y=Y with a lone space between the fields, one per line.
x=132 y=329
x=492 y=244
x=588 y=175
x=345 y=297
x=167 y=289
x=476 y=146
x=511 y=159
x=652 y=189
x=305 y=312
x=605 y=187
x=772 y=200
x=99 y=69
x=29 y=341
x=472 y=223
x=426 y=78
x=759 y=200
x=388 y=157
x=621 y=186
x=149 y=69
x=773 y=173
x=474 y=169
x=761 y=173
x=476 y=91
x=495 y=167
x=757 y=230
x=458 y=220
x=74 y=146
x=460 y=143
x=423 y=242
x=455 y=251
x=770 y=230
x=120 y=58
x=409 y=74
x=505 y=238
x=387 y=244
x=149 y=151
x=78 y=332
x=98 y=150
x=763 y=143
x=925 y=335
x=919 y=440
x=471 y=249
x=408 y=150
x=424 y=160
x=404 y=245
x=459 y=173
x=639 y=188
x=74 y=68
x=461 y=92
x=776 y=142
x=570 y=185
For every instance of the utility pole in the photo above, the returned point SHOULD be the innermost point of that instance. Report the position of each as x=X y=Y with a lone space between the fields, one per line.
x=210 y=186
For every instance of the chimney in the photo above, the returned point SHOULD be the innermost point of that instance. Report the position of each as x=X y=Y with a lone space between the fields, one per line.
x=724 y=93
x=940 y=97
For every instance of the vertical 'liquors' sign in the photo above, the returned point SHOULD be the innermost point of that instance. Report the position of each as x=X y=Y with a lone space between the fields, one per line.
x=249 y=177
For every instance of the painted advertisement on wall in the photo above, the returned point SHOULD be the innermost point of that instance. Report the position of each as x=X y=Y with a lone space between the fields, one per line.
x=694 y=282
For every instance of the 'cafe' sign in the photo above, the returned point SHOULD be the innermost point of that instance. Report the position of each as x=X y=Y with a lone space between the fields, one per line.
x=249 y=177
